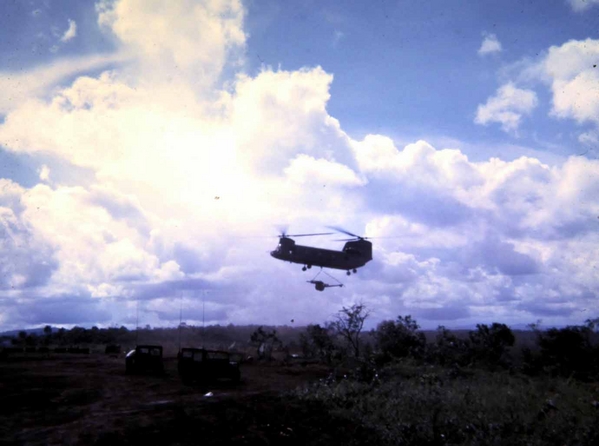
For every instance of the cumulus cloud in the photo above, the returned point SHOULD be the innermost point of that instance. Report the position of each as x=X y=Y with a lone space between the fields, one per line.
x=489 y=45
x=70 y=33
x=184 y=177
x=507 y=107
x=582 y=5
x=183 y=38
x=306 y=169
x=19 y=87
x=572 y=71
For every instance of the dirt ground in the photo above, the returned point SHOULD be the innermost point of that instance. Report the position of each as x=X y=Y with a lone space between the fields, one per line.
x=88 y=399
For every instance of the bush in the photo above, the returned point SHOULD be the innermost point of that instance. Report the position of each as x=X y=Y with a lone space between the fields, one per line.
x=399 y=339
x=490 y=344
x=569 y=352
x=317 y=342
x=449 y=349
x=428 y=406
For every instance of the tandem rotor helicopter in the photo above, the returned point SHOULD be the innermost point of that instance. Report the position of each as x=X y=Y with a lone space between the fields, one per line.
x=355 y=254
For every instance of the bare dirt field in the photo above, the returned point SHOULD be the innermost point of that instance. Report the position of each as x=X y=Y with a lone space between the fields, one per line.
x=88 y=399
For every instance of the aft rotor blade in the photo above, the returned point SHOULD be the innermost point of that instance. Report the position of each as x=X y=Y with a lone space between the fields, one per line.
x=343 y=231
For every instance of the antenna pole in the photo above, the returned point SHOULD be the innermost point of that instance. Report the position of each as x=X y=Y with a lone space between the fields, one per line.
x=137 y=322
x=203 y=323
x=180 y=318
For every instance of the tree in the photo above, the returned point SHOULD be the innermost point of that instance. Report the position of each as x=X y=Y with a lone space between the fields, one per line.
x=317 y=342
x=22 y=338
x=490 y=344
x=265 y=341
x=399 y=338
x=348 y=324
x=592 y=324
x=450 y=349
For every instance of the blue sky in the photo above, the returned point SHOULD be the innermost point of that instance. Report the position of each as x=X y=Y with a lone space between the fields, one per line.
x=465 y=133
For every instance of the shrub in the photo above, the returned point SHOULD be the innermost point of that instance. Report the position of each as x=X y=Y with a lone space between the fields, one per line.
x=490 y=344
x=399 y=339
x=317 y=342
x=449 y=349
x=569 y=351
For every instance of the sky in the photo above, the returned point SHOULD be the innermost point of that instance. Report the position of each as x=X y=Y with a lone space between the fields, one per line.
x=151 y=151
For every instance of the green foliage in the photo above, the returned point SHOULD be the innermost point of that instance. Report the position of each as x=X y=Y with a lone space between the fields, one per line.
x=569 y=351
x=490 y=344
x=317 y=342
x=428 y=405
x=400 y=338
x=449 y=349
x=265 y=341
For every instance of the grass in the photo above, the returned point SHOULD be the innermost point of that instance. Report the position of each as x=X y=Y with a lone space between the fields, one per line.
x=428 y=405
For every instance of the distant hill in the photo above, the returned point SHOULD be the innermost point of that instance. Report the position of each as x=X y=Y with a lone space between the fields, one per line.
x=36 y=331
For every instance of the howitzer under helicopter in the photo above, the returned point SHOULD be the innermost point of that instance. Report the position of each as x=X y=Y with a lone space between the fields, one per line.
x=356 y=252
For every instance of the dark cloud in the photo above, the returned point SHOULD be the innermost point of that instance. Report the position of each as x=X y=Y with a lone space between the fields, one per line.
x=449 y=313
x=540 y=308
x=497 y=256
x=121 y=208
x=64 y=310
x=429 y=206
x=173 y=288
x=25 y=261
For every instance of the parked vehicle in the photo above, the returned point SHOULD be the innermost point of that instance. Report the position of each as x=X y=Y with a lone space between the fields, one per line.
x=145 y=359
x=198 y=364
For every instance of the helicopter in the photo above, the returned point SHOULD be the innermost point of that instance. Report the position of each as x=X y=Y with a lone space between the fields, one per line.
x=355 y=253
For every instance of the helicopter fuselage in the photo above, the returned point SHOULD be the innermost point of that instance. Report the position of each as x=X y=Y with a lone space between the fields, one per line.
x=353 y=255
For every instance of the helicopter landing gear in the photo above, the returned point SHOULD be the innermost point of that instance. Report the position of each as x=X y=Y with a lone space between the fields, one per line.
x=354 y=270
x=348 y=272
x=309 y=266
x=304 y=268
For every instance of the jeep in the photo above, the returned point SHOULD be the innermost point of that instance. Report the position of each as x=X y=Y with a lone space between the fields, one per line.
x=145 y=358
x=198 y=364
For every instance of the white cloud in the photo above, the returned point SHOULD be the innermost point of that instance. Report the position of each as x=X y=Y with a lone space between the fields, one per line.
x=574 y=77
x=473 y=241
x=183 y=38
x=582 y=5
x=70 y=33
x=489 y=45
x=19 y=87
x=507 y=107
x=44 y=173
x=305 y=169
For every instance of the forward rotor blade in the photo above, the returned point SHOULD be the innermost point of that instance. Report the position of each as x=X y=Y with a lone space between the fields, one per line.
x=308 y=235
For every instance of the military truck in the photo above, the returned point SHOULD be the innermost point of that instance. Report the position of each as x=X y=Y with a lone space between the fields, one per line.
x=145 y=359
x=201 y=365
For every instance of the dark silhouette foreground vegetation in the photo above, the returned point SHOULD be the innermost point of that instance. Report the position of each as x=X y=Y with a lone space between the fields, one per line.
x=401 y=385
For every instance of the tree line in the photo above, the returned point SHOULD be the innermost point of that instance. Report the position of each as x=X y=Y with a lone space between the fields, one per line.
x=571 y=351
